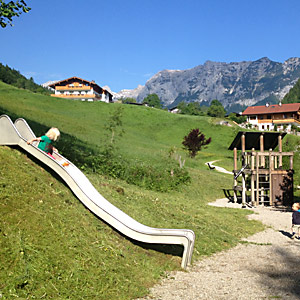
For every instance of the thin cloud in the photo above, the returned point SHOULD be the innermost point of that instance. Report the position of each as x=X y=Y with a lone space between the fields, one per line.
x=147 y=75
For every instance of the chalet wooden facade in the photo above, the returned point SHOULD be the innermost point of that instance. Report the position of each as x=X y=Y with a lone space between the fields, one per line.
x=80 y=89
x=268 y=117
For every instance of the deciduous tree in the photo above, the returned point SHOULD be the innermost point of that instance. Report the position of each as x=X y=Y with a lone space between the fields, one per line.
x=194 y=141
x=114 y=127
x=216 y=109
x=237 y=119
x=192 y=108
x=153 y=101
x=11 y=9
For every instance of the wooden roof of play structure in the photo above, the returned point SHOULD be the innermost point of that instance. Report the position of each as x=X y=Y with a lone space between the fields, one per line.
x=253 y=139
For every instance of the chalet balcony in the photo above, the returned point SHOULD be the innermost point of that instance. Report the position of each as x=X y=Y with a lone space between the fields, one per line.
x=286 y=121
x=73 y=88
x=78 y=96
x=280 y=121
x=265 y=121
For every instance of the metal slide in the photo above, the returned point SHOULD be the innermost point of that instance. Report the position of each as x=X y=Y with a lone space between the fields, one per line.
x=20 y=132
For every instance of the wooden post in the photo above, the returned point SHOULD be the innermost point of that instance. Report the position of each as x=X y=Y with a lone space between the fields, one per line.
x=262 y=150
x=243 y=141
x=257 y=179
x=244 y=190
x=235 y=159
x=234 y=168
x=262 y=195
x=280 y=150
x=271 y=168
x=252 y=176
x=291 y=162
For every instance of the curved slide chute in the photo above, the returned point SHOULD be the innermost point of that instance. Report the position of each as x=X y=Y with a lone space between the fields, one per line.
x=18 y=134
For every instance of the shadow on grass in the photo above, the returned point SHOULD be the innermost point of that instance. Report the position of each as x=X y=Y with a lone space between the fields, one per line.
x=42 y=165
x=68 y=145
x=174 y=250
x=296 y=198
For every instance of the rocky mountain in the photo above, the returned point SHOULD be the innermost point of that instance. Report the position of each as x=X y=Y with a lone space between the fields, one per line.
x=235 y=84
x=125 y=93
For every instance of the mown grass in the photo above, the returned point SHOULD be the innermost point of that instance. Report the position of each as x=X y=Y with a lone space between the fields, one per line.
x=52 y=247
x=143 y=126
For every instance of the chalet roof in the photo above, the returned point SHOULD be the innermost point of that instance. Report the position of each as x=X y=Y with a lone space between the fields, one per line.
x=71 y=79
x=252 y=140
x=77 y=79
x=272 y=108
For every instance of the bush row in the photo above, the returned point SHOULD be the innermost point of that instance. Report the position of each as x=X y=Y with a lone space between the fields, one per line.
x=160 y=177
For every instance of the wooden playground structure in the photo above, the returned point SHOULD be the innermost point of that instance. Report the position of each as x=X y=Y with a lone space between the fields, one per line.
x=266 y=174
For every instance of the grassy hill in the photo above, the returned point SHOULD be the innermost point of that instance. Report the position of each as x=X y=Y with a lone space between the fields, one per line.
x=52 y=247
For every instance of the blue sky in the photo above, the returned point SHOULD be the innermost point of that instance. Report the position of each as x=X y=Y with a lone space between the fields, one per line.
x=123 y=43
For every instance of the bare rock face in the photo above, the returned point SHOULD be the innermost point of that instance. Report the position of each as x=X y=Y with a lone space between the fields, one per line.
x=233 y=84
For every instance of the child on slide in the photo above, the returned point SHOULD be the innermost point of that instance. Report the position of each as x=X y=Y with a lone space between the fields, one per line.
x=46 y=142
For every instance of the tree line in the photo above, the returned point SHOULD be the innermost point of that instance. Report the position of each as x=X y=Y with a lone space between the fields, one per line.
x=15 y=78
x=215 y=109
x=293 y=96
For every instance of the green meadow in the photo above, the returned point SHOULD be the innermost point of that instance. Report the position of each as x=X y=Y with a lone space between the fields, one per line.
x=52 y=247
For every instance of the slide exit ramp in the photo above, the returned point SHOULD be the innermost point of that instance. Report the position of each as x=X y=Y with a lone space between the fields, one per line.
x=19 y=132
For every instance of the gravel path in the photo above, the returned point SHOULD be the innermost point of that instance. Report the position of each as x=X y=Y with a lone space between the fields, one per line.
x=267 y=266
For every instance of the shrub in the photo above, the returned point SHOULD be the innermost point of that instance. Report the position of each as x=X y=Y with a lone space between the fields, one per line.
x=194 y=141
x=161 y=178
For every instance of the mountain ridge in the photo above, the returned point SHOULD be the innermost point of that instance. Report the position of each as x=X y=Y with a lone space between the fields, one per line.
x=233 y=84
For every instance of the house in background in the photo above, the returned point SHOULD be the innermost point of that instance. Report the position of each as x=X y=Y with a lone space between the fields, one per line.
x=174 y=110
x=266 y=117
x=80 y=89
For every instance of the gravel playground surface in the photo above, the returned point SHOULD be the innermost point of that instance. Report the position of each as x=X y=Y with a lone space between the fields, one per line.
x=266 y=266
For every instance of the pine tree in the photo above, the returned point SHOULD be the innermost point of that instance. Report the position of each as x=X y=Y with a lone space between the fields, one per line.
x=15 y=78
x=293 y=96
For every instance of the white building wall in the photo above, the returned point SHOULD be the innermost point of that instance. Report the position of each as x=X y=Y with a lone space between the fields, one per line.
x=104 y=98
x=268 y=126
